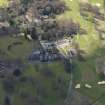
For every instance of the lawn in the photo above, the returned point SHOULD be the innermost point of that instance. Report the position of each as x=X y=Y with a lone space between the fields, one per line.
x=17 y=51
x=101 y=2
x=3 y=3
x=47 y=83
x=88 y=42
x=2 y=94
x=85 y=72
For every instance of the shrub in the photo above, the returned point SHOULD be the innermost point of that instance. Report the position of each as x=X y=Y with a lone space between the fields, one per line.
x=7 y=101
x=47 y=73
x=9 y=85
x=17 y=73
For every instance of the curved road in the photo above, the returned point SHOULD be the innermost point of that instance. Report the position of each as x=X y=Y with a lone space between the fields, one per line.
x=67 y=99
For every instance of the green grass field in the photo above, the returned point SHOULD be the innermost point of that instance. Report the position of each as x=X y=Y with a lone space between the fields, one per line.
x=88 y=42
x=18 y=51
x=85 y=72
x=3 y=3
x=47 y=84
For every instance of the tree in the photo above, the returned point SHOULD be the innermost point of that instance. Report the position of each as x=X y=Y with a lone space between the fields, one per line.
x=17 y=72
x=7 y=101
x=68 y=66
x=49 y=7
